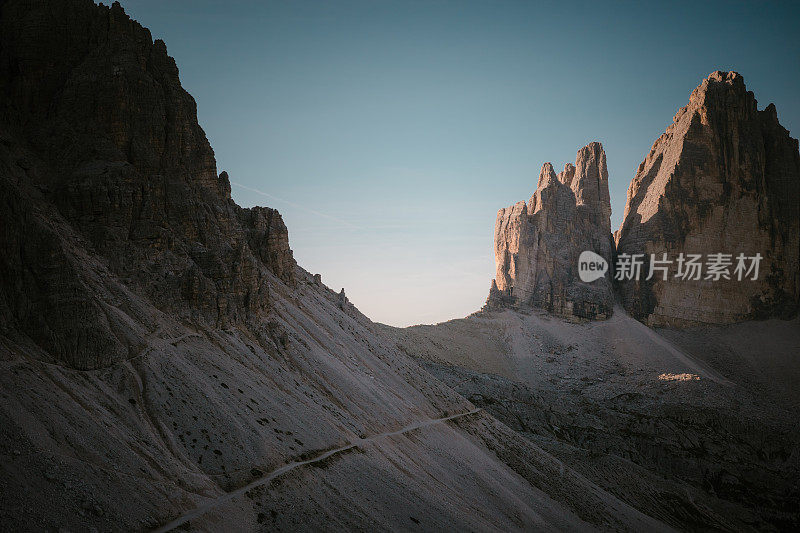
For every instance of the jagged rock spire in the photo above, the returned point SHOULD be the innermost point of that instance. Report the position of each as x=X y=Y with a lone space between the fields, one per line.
x=537 y=246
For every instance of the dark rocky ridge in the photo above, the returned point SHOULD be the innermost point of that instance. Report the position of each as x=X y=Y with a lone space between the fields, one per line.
x=96 y=125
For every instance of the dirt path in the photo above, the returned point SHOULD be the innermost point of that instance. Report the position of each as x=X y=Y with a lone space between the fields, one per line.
x=207 y=506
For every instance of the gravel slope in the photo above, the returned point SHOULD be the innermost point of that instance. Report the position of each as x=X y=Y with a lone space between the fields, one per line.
x=697 y=428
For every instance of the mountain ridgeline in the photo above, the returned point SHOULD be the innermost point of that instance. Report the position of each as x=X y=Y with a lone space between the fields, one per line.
x=723 y=179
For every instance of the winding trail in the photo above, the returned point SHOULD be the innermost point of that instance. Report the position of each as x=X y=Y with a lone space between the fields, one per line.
x=207 y=506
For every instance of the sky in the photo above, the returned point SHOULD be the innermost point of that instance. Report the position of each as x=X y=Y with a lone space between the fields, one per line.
x=389 y=133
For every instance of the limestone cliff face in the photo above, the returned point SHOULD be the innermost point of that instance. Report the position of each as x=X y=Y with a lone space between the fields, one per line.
x=537 y=245
x=723 y=178
x=110 y=190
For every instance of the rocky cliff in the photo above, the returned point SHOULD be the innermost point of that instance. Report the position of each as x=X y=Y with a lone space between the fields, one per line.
x=103 y=161
x=537 y=245
x=723 y=179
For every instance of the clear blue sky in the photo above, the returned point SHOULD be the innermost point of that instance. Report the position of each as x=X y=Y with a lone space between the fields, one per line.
x=389 y=133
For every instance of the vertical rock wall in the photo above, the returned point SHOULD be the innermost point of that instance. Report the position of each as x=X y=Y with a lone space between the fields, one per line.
x=723 y=178
x=537 y=245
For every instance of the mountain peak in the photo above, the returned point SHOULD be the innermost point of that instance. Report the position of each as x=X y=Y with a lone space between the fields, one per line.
x=120 y=174
x=537 y=250
x=724 y=178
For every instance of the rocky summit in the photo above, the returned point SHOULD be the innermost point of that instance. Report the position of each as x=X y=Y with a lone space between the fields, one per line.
x=719 y=186
x=537 y=245
x=723 y=179
x=110 y=190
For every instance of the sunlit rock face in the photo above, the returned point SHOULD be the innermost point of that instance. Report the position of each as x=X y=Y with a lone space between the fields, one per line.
x=723 y=178
x=537 y=245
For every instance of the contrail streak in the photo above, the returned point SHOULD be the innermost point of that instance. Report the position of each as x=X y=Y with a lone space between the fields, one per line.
x=298 y=206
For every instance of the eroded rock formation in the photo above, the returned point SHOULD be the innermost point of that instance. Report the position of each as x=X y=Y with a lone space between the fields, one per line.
x=537 y=244
x=104 y=163
x=724 y=178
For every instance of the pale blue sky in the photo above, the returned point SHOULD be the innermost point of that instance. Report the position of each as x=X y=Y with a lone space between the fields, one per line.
x=389 y=133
